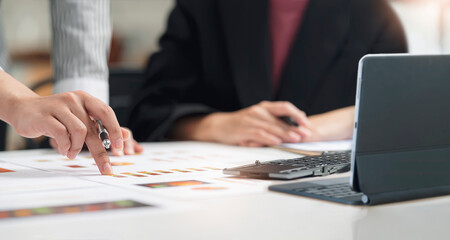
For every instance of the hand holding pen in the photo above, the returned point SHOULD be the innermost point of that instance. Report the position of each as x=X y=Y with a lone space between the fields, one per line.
x=290 y=121
x=130 y=145
x=67 y=119
x=103 y=140
x=255 y=126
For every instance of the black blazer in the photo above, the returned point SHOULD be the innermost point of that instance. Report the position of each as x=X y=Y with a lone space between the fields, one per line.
x=215 y=56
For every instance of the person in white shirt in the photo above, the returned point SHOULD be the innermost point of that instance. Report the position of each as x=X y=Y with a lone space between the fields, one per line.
x=81 y=33
x=81 y=37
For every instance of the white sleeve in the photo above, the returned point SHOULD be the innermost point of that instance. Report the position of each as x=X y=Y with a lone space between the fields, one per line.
x=81 y=41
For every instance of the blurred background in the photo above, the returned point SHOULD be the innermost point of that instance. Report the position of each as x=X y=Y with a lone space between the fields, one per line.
x=137 y=25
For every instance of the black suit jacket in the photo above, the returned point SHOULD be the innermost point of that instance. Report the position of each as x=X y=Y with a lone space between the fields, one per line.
x=215 y=56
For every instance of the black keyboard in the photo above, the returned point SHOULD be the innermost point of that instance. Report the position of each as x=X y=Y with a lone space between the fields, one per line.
x=336 y=190
x=296 y=167
x=341 y=190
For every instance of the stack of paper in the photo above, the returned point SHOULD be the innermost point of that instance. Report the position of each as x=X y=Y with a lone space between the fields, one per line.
x=316 y=148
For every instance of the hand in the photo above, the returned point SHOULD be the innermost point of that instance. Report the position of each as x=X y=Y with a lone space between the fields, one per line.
x=254 y=126
x=67 y=118
x=333 y=125
x=130 y=146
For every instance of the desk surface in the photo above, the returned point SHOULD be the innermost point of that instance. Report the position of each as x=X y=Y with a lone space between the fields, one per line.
x=261 y=215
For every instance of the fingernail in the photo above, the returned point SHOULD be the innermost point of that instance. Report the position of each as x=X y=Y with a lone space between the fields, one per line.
x=107 y=169
x=118 y=144
x=294 y=136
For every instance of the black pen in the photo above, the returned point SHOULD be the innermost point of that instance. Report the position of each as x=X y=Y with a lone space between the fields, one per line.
x=289 y=121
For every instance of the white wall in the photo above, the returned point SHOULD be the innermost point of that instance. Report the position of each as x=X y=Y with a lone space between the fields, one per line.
x=26 y=24
x=421 y=20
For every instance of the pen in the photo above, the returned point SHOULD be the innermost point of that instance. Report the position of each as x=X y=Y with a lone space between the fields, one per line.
x=289 y=121
x=103 y=135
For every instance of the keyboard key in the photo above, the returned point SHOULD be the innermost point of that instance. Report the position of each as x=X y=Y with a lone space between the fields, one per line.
x=334 y=191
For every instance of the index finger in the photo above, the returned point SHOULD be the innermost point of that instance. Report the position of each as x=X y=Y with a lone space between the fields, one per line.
x=281 y=109
x=101 y=111
x=97 y=150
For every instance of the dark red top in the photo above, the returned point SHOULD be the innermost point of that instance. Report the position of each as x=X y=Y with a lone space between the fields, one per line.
x=285 y=19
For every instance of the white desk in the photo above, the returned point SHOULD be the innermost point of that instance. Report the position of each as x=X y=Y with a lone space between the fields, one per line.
x=266 y=215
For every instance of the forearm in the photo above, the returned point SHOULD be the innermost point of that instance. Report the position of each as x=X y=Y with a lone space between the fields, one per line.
x=81 y=41
x=11 y=92
x=332 y=125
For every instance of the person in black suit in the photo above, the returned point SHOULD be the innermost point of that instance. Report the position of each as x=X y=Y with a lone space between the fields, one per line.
x=227 y=70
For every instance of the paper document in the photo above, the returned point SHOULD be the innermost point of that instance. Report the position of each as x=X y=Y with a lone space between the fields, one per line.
x=20 y=179
x=318 y=146
x=183 y=170
x=77 y=203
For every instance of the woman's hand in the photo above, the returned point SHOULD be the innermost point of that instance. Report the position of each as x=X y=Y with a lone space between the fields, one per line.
x=68 y=119
x=130 y=146
x=254 y=126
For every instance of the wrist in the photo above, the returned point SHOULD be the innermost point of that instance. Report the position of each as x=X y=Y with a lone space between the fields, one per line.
x=210 y=127
x=198 y=128
x=18 y=109
x=206 y=129
x=186 y=128
x=15 y=109
x=12 y=93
